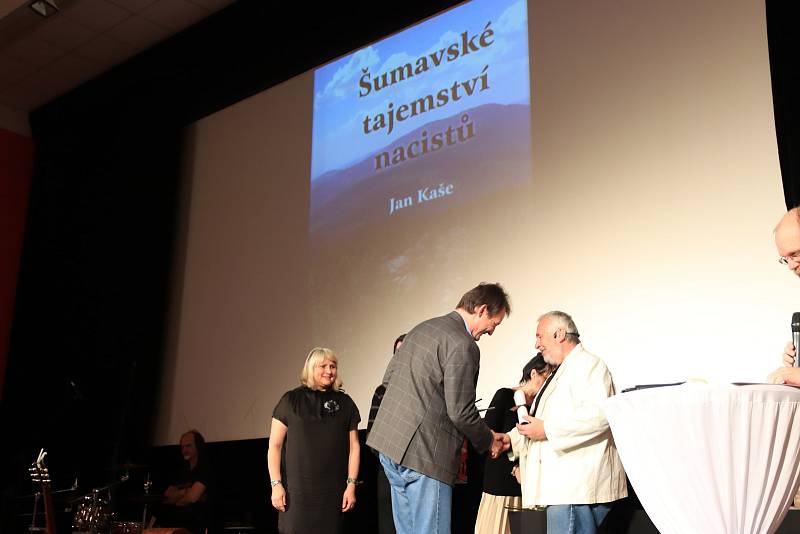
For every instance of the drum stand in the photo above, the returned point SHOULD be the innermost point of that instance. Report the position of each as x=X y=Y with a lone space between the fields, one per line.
x=95 y=509
x=33 y=527
x=147 y=485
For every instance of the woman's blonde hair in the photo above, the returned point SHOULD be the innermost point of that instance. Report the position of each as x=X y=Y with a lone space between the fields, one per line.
x=319 y=355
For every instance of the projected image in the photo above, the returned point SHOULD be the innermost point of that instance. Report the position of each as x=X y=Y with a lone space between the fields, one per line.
x=421 y=160
x=434 y=117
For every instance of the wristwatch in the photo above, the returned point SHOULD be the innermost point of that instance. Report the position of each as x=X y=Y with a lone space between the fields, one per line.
x=274 y=483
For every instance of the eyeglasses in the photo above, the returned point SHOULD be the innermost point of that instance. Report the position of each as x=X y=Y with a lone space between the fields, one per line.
x=794 y=256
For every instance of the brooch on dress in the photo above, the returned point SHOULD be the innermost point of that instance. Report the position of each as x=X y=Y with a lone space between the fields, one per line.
x=330 y=406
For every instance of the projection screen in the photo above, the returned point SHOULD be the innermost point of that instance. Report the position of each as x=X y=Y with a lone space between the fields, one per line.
x=614 y=160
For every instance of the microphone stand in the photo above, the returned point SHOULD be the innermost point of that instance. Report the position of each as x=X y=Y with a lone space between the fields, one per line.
x=147 y=485
x=33 y=527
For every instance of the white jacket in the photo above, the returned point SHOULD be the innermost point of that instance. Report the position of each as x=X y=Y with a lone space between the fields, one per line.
x=578 y=463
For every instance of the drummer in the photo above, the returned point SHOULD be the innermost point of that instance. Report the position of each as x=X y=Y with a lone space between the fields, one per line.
x=188 y=499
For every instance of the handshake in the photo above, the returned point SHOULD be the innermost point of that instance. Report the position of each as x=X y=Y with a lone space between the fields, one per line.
x=500 y=444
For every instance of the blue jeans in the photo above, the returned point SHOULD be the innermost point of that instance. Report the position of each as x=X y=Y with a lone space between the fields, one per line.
x=576 y=518
x=420 y=504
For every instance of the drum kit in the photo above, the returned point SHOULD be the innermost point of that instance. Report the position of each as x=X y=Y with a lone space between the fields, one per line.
x=94 y=511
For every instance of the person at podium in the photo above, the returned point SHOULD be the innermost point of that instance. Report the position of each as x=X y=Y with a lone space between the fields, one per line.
x=787 y=240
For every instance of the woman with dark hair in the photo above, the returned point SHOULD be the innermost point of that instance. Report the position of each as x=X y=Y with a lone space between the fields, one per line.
x=501 y=489
x=314 y=454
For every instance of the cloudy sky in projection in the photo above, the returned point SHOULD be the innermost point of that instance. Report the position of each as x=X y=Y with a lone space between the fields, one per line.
x=339 y=112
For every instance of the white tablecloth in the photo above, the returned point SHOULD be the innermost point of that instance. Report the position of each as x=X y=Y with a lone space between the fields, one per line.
x=710 y=459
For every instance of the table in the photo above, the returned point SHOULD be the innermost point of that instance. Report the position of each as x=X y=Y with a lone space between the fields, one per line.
x=710 y=458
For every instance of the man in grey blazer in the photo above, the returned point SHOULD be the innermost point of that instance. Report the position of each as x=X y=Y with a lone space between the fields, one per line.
x=429 y=408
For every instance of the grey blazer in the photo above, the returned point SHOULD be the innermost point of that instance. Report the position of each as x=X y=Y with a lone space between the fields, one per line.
x=429 y=405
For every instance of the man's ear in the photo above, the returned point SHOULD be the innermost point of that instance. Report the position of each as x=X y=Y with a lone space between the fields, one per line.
x=479 y=310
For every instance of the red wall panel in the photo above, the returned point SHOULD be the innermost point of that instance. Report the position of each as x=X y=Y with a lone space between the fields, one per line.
x=16 y=168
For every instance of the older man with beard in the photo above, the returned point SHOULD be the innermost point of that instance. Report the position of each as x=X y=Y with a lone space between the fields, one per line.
x=787 y=240
x=568 y=459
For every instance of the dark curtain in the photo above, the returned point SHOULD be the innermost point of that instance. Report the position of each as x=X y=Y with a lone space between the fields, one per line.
x=785 y=68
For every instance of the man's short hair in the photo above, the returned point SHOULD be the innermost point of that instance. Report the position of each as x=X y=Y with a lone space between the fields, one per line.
x=563 y=320
x=493 y=295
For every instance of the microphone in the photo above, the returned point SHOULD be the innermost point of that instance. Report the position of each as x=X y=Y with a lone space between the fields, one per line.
x=796 y=337
x=522 y=410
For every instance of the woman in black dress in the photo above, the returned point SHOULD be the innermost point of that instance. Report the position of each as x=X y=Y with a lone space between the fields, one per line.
x=501 y=488
x=313 y=452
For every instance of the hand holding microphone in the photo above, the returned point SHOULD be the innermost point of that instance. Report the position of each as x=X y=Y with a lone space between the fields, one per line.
x=790 y=372
x=788 y=355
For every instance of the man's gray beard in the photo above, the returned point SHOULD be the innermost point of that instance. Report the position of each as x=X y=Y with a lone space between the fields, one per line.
x=548 y=360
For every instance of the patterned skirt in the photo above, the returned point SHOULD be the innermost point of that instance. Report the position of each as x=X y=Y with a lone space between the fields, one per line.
x=493 y=514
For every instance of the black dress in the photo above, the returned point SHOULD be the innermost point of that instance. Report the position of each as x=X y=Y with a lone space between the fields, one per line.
x=314 y=458
x=497 y=477
x=500 y=488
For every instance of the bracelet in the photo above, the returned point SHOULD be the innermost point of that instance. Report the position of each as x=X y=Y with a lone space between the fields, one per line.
x=274 y=483
x=354 y=481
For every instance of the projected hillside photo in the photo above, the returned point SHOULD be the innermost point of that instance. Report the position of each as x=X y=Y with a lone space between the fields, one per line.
x=432 y=118
x=494 y=157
